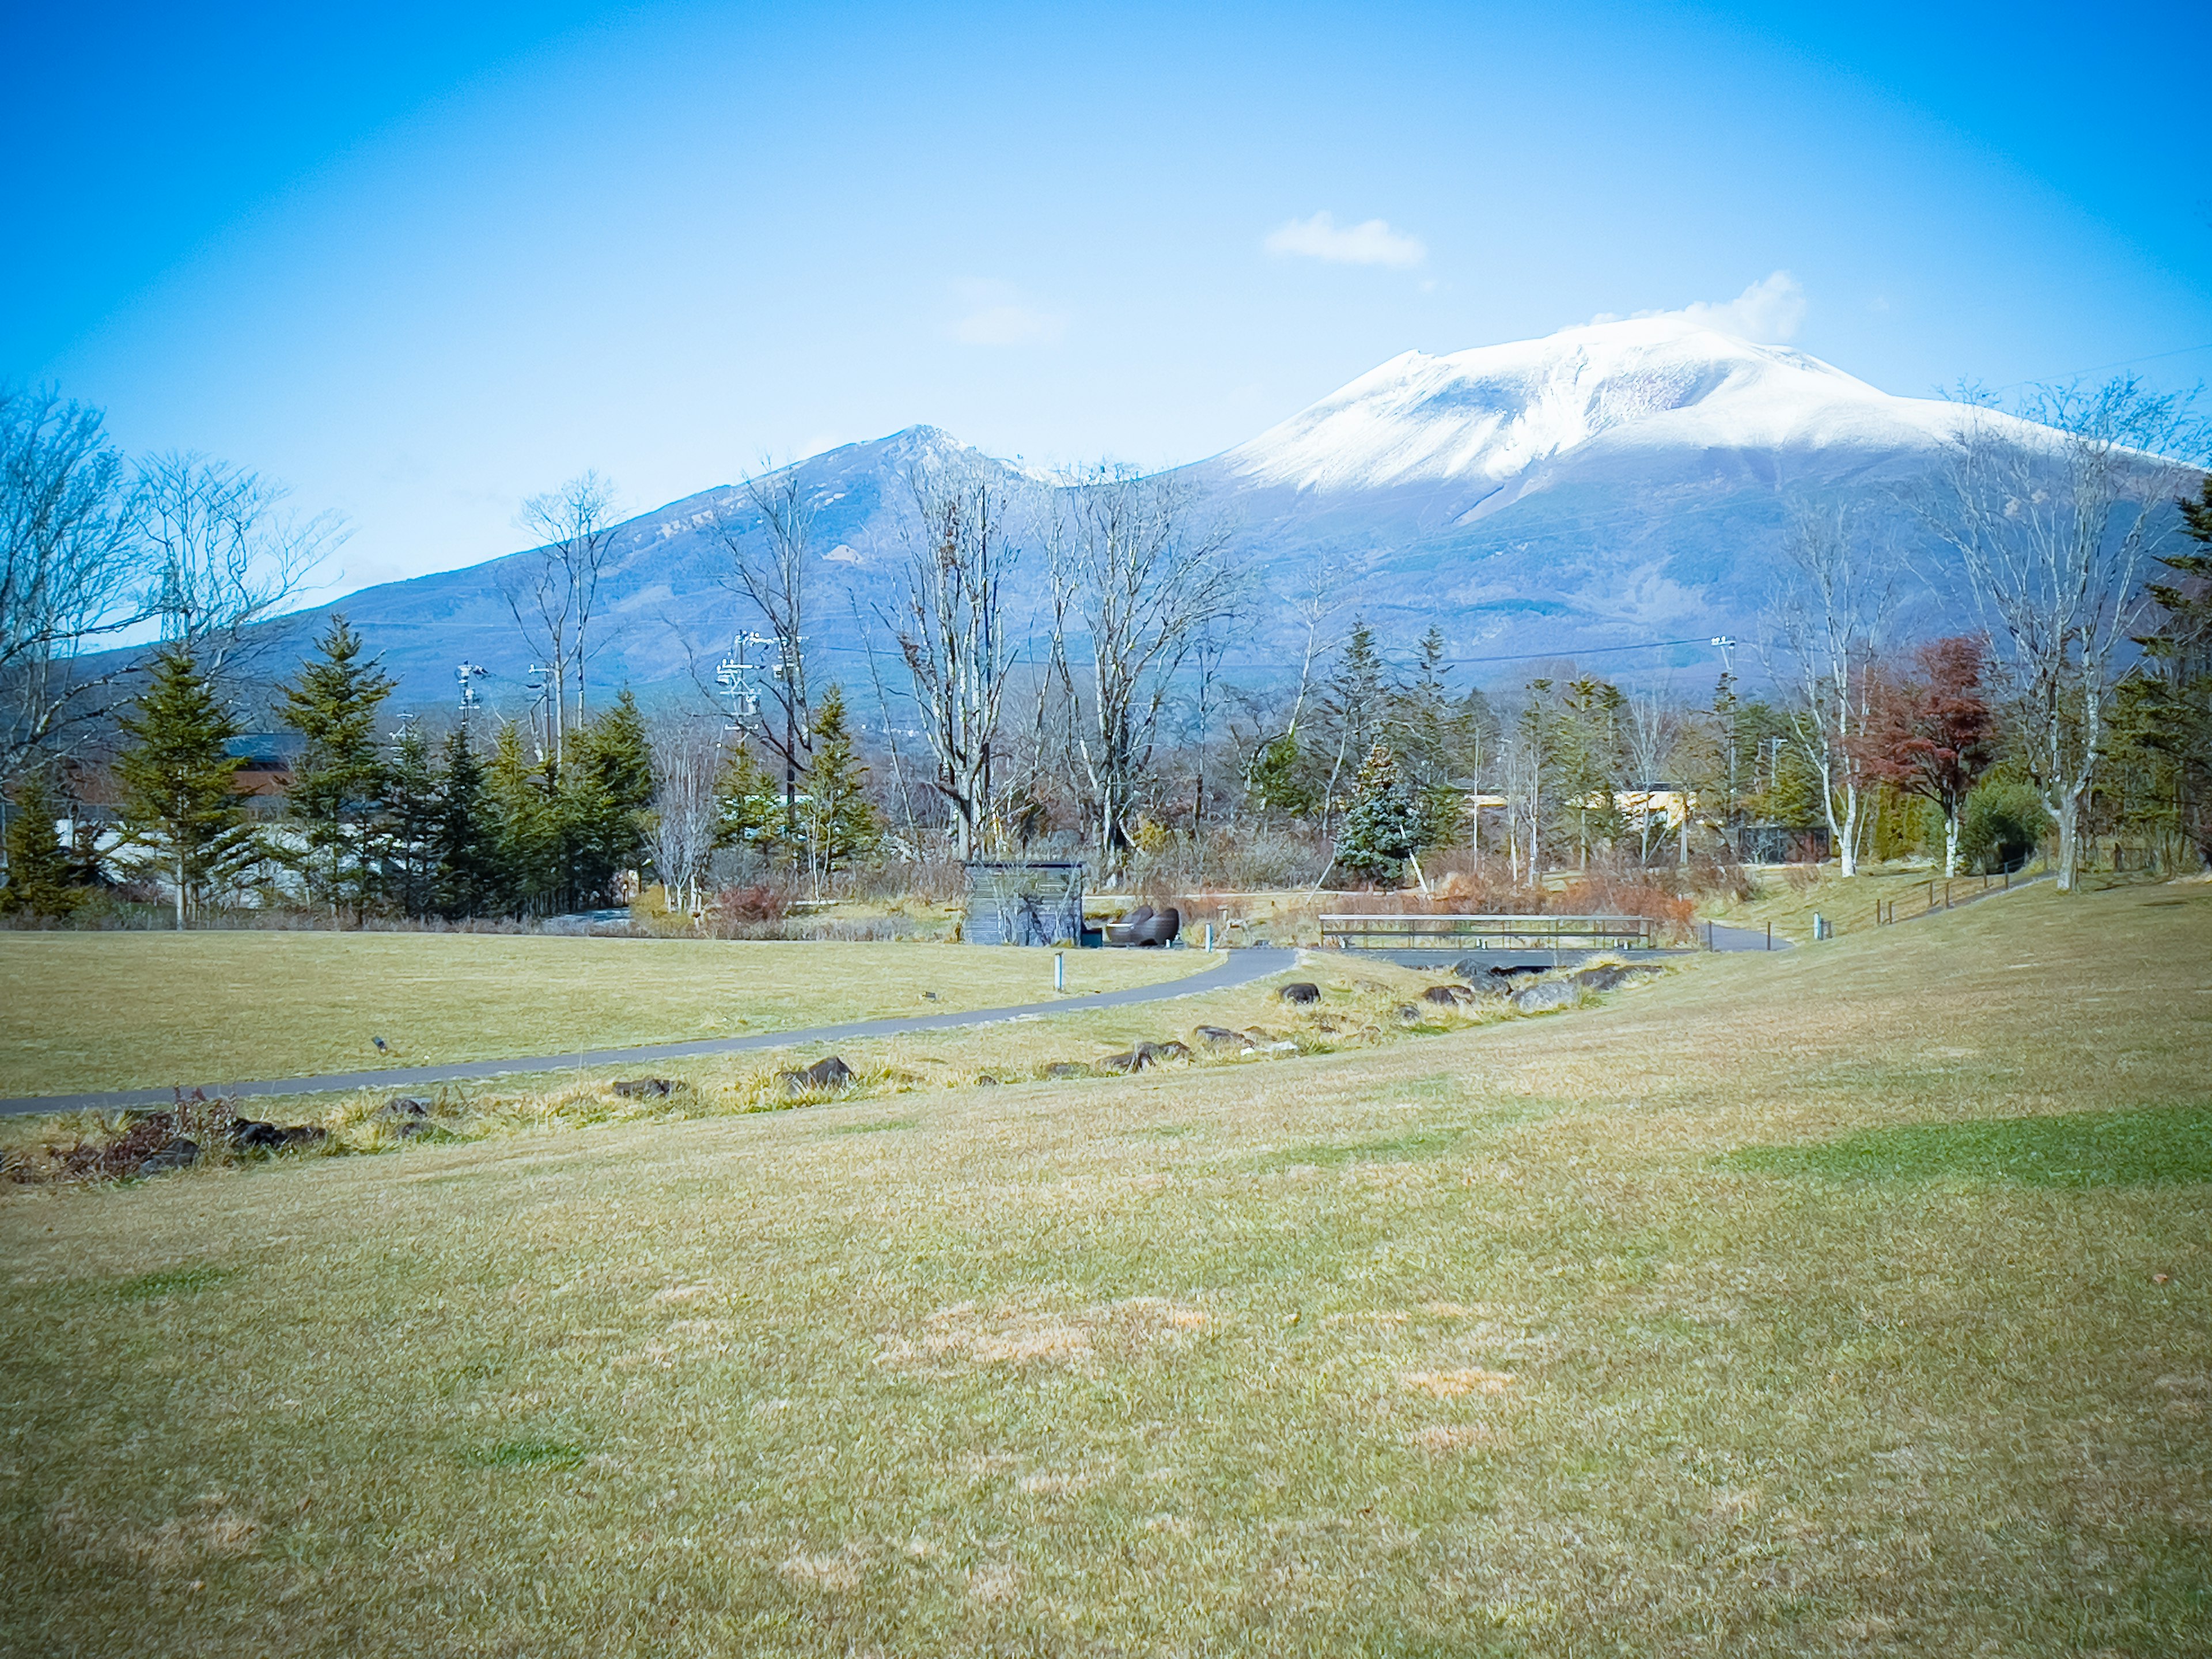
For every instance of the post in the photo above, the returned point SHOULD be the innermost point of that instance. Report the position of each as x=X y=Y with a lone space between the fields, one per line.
x=1209 y=936
x=1060 y=970
x=1769 y=936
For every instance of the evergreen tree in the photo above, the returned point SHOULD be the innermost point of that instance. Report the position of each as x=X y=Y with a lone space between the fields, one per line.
x=39 y=873
x=177 y=780
x=839 y=823
x=2167 y=716
x=1592 y=758
x=1384 y=828
x=1356 y=701
x=412 y=817
x=466 y=838
x=1280 y=779
x=526 y=828
x=606 y=793
x=337 y=795
x=751 y=802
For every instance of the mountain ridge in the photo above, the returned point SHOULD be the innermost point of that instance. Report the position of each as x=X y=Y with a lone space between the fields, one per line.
x=1604 y=485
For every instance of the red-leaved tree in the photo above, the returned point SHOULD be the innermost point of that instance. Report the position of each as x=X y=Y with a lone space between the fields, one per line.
x=1931 y=734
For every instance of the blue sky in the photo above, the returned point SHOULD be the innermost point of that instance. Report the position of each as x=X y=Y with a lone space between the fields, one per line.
x=420 y=265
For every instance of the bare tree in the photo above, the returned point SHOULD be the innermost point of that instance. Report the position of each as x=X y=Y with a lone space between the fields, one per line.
x=773 y=578
x=1653 y=732
x=222 y=551
x=1137 y=575
x=950 y=627
x=553 y=592
x=69 y=569
x=687 y=763
x=2055 y=529
x=1828 y=617
x=1520 y=778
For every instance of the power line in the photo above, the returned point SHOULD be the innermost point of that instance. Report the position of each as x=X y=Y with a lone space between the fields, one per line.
x=2123 y=362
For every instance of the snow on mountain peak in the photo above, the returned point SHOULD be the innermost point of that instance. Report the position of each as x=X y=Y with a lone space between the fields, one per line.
x=1496 y=412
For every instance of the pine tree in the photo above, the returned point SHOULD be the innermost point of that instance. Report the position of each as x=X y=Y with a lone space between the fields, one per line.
x=525 y=827
x=465 y=840
x=752 y=801
x=1280 y=779
x=337 y=795
x=409 y=850
x=39 y=873
x=176 y=779
x=2171 y=717
x=1383 y=828
x=839 y=823
x=1591 y=759
x=1354 y=702
x=606 y=792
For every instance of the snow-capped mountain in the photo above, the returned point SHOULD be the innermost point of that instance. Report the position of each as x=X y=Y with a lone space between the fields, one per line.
x=1497 y=422
x=1605 y=486
x=1596 y=490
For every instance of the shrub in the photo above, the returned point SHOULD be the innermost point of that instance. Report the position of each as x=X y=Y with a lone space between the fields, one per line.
x=2002 y=826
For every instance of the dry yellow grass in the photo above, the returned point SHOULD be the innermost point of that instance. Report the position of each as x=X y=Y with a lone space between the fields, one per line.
x=1496 y=1341
x=1790 y=897
x=85 y=1013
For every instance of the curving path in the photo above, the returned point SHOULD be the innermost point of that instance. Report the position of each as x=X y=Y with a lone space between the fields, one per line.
x=1242 y=967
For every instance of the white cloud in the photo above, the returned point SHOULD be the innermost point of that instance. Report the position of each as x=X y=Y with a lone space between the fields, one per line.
x=998 y=315
x=1373 y=243
x=1769 y=310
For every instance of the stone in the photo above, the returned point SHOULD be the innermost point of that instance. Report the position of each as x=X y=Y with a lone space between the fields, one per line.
x=1607 y=976
x=1143 y=1055
x=1408 y=1014
x=178 y=1154
x=1299 y=992
x=405 y=1106
x=1219 y=1037
x=251 y=1135
x=1447 y=995
x=987 y=1081
x=645 y=1088
x=1542 y=998
x=828 y=1072
x=1065 y=1068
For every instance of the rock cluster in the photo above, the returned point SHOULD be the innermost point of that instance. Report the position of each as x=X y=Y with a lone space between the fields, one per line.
x=829 y=1074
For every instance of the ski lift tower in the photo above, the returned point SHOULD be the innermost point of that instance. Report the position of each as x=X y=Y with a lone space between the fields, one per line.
x=468 y=674
x=735 y=676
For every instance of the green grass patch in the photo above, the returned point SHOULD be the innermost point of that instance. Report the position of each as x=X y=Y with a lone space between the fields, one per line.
x=2072 y=1149
x=526 y=1454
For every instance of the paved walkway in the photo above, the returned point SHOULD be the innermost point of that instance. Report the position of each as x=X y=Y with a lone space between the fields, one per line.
x=1242 y=967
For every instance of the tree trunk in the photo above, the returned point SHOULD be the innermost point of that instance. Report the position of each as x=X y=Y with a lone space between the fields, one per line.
x=2069 y=841
x=1950 y=840
x=1849 y=856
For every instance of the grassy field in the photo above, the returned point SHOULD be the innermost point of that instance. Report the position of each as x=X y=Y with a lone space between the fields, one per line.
x=88 y=1011
x=1790 y=897
x=1855 y=1300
